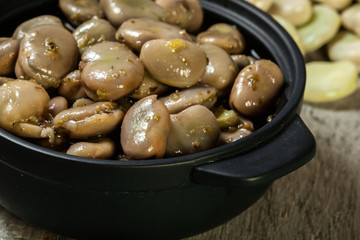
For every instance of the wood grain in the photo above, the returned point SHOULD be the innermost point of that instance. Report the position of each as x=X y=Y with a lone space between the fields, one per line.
x=318 y=201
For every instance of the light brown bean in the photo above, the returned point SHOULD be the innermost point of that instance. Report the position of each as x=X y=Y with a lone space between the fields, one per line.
x=100 y=149
x=193 y=130
x=145 y=129
x=88 y=121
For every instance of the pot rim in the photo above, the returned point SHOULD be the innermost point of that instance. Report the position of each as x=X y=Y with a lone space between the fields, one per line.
x=257 y=21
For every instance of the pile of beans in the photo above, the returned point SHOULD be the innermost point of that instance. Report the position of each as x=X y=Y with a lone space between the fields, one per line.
x=328 y=34
x=131 y=80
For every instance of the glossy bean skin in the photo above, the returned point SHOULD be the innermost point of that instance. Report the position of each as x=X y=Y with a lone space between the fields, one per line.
x=135 y=32
x=79 y=11
x=233 y=125
x=220 y=71
x=232 y=136
x=198 y=95
x=192 y=130
x=100 y=149
x=56 y=105
x=72 y=87
x=82 y=102
x=118 y=11
x=5 y=80
x=28 y=25
x=92 y=31
x=187 y=14
x=149 y=86
x=96 y=119
x=257 y=88
x=145 y=128
x=110 y=70
x=47 y=53
x=223 y=35
x=230 y=119
x=23 y=108
x=242 y=60
x=9 y=49
x=177 y=62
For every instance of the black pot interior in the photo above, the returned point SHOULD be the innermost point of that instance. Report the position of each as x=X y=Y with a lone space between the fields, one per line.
x=264 y=38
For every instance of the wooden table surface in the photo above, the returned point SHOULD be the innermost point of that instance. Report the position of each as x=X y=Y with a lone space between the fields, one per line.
x=318 y=201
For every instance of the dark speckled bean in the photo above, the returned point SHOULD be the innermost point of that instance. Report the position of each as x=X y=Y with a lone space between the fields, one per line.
x=257 y=88
x=47 y=53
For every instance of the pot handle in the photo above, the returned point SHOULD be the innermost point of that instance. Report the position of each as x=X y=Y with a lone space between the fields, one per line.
x=290 y=149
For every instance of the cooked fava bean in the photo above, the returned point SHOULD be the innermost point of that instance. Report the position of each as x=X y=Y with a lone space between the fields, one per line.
x=264 y=5
x=118 y=11
x=322 y=27
x=22 y=108
x=187 y=14
x=135 y=85
x=345 y=46
x=5 y=80
x=79 y=11
x=82 y=102
x=110 y=70
x=93 y=31
x=9 y=49
x=336 y=4
x=298 y=12
x=177 y=62
x=145 y=128
x=47 y=53
x=192 y=130
x=233 y=135
x=256 y=88
x=56 y=105
x=71 y=86
x=136 y=31
x=223 y=35
x=350 y=18
x=329 y=81
x=35 y=22
x=242 y=60
x=101 y=149
x=220 y=71
x=230 y=119
x=292 y=30
x=149 y=86
x=92 y=120
x=180 y=100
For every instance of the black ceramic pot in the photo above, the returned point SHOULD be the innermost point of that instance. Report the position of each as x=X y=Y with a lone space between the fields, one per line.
x=164 y=198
